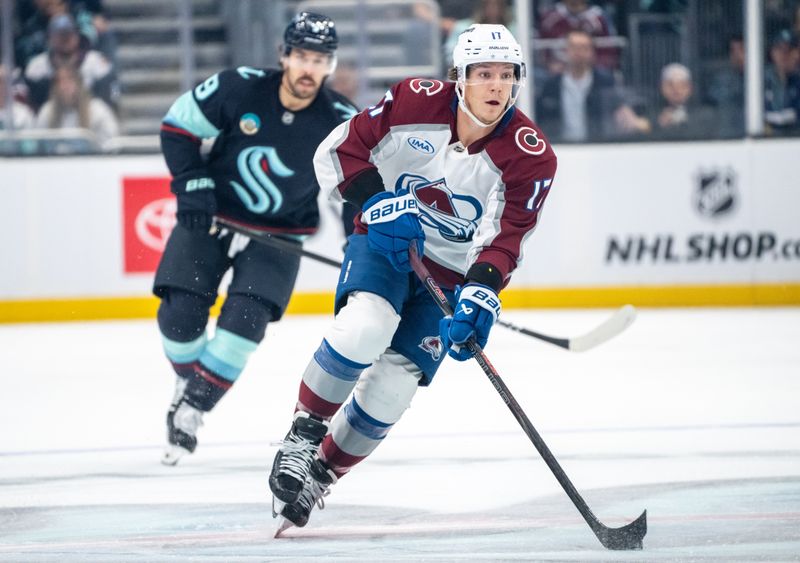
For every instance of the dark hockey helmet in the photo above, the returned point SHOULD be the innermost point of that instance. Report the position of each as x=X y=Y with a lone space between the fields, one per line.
x=308 y=30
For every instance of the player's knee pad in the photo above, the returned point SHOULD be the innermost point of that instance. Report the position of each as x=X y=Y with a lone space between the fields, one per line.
x=246 y=316
x=385 y=390
x=363 y=328
x=183 y=315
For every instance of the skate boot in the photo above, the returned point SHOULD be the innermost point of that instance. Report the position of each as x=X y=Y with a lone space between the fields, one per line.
x=316 y=488
x=297 y=451
x=182 y=424
x=180 y=387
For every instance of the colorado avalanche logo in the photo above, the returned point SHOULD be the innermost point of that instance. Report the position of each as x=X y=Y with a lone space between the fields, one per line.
x=528 y=140
x=261 y=194
x=433 y=346
x=454 y=216
x=430 y=87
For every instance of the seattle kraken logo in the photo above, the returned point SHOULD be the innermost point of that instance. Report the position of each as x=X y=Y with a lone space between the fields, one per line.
x=454 y=216
x=261 y=194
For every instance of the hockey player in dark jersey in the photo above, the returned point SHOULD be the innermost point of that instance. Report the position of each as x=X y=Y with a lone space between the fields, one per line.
x=266 y=124
x=455 y=170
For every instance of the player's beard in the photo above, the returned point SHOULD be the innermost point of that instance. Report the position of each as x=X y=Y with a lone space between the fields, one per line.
x=301 y=91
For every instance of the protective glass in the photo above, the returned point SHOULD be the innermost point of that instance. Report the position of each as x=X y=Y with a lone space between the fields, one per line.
x=311 y=61
x=479 y=74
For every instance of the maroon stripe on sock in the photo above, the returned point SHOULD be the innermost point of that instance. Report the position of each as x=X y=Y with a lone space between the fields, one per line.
x=312 y=403
x=183 y=370
x=338 y=460
x=203 y=372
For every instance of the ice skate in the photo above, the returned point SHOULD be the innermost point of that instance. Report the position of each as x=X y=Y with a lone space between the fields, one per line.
x=283 y=525
x=180 y=387
x=297 y=450
x=182 y=424
x=317 y=487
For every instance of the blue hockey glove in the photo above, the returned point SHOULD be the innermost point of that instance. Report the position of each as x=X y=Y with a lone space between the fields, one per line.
x=476 y=311
x=196 y=210
x=393 y=225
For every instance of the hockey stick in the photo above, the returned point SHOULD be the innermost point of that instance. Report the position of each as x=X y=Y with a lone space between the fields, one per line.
x=608 y=329
x=629 y=536
x=275 y=241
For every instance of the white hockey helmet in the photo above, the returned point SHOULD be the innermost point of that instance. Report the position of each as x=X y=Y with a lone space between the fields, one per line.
x=487 y=43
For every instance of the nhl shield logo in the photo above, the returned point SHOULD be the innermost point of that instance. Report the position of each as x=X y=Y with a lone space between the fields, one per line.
x=716 y=193
x=433 y=346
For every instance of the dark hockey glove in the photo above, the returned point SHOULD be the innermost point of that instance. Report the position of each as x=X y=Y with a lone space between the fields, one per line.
x=392 y=226
x=476 y=311
x=196 y=202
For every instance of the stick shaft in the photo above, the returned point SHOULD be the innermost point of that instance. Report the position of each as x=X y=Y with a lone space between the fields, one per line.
x=433 y=288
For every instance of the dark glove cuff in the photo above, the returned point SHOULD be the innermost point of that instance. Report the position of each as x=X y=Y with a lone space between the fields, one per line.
x=486 y=274
x=363 y=187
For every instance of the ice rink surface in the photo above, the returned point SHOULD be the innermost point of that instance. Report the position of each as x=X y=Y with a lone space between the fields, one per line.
x=692 y=414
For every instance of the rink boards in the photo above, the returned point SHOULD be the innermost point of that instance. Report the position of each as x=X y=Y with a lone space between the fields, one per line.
x=649 y=224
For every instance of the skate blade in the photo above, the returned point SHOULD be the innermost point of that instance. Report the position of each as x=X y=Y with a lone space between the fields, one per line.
x=172 y=454
x=283 y=525
x=277 y=507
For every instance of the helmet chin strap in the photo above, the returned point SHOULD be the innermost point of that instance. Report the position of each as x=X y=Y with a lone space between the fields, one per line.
x=463 y=105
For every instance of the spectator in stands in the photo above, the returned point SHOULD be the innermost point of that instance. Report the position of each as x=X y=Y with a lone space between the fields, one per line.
x=91 y=15
x=486 y=11
x=781 y=86
x=583 y=103
x=726 y=90
x=68 y=48
x=451 y=11
x=33 y=17
x=677 y=116
x=22 y=115
x=72 y=106
x=570 y=15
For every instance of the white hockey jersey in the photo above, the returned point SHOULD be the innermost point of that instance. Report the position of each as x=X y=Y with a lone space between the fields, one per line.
x=477 y=204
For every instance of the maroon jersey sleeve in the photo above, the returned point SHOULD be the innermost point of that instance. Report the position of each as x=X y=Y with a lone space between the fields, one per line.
x=400 y=105
x=528 y=166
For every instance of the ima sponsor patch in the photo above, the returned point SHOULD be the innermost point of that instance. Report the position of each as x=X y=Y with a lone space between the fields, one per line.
x=421 y=145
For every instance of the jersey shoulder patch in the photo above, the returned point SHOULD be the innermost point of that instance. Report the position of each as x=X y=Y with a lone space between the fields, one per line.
x=425 y=86
x=529 y=141
x=422 y=100
x=524 y=136
x=523 y=152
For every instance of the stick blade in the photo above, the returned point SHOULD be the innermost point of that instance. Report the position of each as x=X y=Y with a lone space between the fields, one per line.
x=624 y=538
x=619 y=321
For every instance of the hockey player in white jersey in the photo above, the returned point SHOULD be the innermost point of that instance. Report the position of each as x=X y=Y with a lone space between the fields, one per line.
x=455 y=169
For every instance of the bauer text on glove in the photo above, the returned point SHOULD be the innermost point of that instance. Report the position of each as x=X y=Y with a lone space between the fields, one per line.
x=392 y=226
x=196 y=203
x=477 y=308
